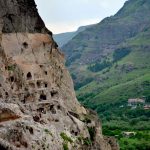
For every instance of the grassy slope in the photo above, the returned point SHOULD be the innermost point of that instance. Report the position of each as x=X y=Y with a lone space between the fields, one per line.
x=117 y=83
x=109 y=84
x=126 y=78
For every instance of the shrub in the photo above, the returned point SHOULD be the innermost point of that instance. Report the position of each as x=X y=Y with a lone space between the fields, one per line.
x=48 y=132
x=91 y=132
x=65 y=146
x=72 y=59
x=87 y=120
x=120 y=53
x=87 y=141
x=99 y=66
x=65 y=137
x=11 y=68
x=83 y=82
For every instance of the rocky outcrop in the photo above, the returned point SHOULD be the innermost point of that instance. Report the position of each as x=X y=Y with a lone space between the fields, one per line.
x=21 y=16
x=38 y=106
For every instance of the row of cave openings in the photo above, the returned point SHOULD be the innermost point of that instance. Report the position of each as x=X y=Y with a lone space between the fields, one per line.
x=39 y=83
x=44 y=110
x=29 y=75
x=43 y=96
x=52 y=108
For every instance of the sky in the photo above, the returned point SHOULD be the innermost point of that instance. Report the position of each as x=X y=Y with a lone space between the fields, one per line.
x=67 y=15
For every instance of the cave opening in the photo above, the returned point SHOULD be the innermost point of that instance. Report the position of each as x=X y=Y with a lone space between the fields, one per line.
x=54 y=93
x=45 y=72
x=12 y=79
x=29 y=76
x=41 y=110
x=43 y=97
x=46 y=85
x=52 y=109
x=25 y=45
x=38 y=84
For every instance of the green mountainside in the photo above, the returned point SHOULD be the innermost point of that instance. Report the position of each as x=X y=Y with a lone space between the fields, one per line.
x=112 y=56
x=110 y=63
x=126 y=77
x=95 y=43
x=64 y=38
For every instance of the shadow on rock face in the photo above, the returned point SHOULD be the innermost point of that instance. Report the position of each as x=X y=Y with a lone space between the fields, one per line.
x=3 y=148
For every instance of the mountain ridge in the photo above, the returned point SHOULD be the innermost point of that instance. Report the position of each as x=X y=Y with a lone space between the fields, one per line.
x=80 y=55
x=64 y=38
x=109 y=64
x=102 y=37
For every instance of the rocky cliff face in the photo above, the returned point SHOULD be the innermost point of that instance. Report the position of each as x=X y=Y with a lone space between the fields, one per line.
x=38 y=106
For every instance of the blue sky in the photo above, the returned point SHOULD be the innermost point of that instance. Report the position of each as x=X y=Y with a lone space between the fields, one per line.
x=67 y=15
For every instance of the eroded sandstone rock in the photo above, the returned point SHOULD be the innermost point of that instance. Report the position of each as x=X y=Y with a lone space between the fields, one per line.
x=9 y=112
x=38 y=106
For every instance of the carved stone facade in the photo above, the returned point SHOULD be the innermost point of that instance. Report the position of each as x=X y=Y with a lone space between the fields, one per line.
x=38 y=106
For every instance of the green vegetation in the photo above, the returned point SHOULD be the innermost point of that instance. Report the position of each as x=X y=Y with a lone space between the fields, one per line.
x=65 y=146
x=73 y=58
x=48 y=132
x=127 y=78
x=99 y=66
x=92 y=133
x=11 y=68
x=120 y=53
x=84 y=82
x=115 y=91
x=109 y=98
x=118 y=118
x=66 y=140
x=135 y=143
x=86 y=141
x=113 y=67
x=87 y=120
x=65 y=137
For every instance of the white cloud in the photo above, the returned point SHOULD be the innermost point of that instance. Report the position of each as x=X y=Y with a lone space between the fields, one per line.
x=68 y=15
x=71 y=26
